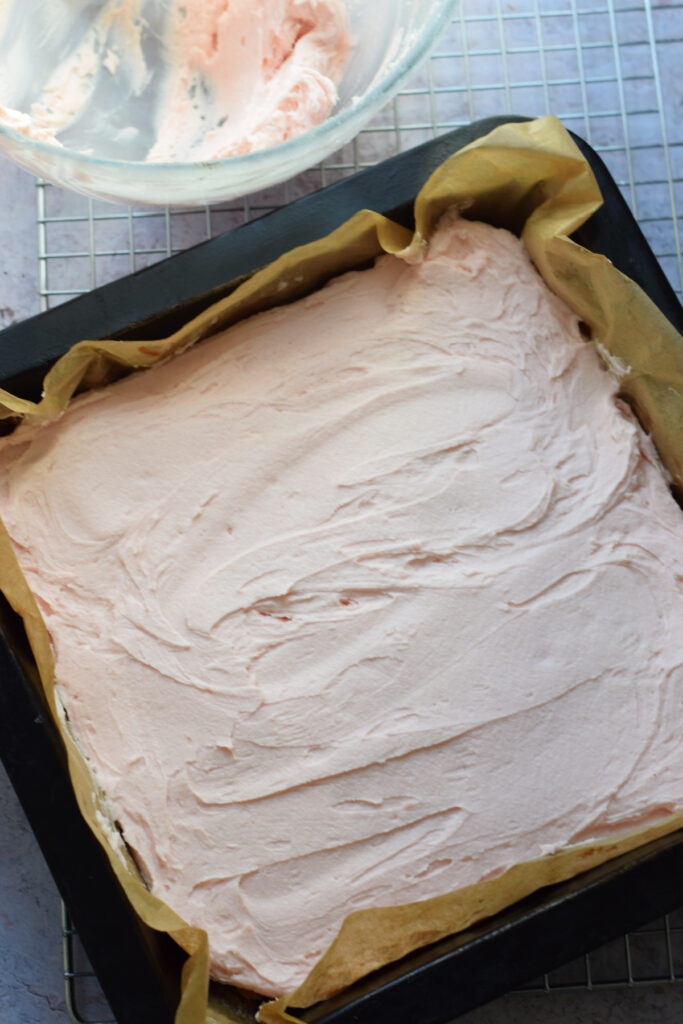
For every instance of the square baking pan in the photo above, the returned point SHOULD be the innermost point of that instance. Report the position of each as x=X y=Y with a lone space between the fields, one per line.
x=138 y=968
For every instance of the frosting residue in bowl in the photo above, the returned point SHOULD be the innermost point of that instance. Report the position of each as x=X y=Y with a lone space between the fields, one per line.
x=198 y=79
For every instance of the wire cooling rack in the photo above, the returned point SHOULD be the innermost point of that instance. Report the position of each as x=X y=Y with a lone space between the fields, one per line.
x=610 y=69
x=652 y=955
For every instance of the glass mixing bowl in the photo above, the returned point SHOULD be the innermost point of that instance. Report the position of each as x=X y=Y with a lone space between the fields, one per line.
x=389 y=38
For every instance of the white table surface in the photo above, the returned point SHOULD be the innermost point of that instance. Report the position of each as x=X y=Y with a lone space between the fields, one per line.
x=31 y=982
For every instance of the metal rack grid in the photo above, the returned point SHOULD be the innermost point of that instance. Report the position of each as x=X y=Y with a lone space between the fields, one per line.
x=652 y=955
x=609 y=70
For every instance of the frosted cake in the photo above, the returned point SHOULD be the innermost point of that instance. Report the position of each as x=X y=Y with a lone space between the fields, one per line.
x=364 y=600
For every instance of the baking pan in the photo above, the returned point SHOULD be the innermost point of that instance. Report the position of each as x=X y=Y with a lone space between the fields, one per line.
x=137 y=968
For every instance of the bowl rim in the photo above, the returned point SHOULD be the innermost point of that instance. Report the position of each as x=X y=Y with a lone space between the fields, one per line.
x=374 y=99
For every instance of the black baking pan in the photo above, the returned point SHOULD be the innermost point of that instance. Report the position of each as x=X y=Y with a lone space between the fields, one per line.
x=137 y=968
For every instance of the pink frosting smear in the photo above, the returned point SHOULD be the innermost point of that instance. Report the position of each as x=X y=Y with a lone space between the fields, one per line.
x=363 y=600
x=253 y=74
x=227 y=77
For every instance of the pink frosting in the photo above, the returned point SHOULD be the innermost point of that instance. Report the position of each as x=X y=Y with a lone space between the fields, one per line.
x=229 y=76
x=252 y=74
x=366 y=599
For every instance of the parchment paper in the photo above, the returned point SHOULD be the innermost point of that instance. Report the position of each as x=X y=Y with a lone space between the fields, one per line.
x=532 y=179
